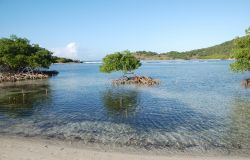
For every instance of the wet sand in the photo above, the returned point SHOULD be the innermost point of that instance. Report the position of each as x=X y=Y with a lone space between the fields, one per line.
x=12 y=148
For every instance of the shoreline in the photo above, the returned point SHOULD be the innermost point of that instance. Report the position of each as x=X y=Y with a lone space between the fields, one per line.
x=17 y=148
x=21 y=76
x=187 y=59
x=13 y=77
x=99 y=61
x=67 y=63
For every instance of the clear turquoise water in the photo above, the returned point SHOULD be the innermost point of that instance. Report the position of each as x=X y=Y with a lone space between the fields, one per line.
x=199 y=106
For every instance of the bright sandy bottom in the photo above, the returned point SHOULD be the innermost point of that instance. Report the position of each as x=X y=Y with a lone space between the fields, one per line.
x=26 y=149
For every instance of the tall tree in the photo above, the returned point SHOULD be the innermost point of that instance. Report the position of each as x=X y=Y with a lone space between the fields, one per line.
x=242 y=53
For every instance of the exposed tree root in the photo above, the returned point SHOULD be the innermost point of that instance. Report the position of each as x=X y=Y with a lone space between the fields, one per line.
x=26 y=75
x=137 y=80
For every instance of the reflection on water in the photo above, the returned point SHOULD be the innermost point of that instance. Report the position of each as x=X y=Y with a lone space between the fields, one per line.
x=21 y=99
x=194 y=109
x=120 y=101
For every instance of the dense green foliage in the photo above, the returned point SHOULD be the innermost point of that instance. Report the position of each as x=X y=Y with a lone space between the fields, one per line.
x=17 y=53
x=120 y=61
x=242 y=53
x=64 y=60
x=221 y=51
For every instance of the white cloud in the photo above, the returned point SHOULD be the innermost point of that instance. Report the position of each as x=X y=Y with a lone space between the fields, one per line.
x=69 y=51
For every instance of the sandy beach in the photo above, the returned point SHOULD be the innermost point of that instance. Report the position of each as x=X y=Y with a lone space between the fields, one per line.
x=12 y=148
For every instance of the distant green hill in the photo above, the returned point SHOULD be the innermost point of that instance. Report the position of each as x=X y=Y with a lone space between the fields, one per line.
x=221 y=51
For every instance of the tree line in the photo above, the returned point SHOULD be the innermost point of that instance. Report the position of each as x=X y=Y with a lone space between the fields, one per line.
x=17 y=53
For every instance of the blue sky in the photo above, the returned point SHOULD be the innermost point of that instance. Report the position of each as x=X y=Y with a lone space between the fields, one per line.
x=89 y=29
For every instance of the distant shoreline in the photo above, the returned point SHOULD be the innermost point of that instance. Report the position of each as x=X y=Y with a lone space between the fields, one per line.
x=68 y=63
x=185 y=59
x=99 y=61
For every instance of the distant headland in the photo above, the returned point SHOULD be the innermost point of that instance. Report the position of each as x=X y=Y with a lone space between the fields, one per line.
x=60 y=60
x=220 y=51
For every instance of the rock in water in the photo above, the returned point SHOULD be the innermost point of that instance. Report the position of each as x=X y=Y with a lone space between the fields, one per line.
x=137 y=80
x=246 y=82
x=10 y=77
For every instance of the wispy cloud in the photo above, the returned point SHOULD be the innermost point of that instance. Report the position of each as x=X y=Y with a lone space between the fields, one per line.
x=68 y=51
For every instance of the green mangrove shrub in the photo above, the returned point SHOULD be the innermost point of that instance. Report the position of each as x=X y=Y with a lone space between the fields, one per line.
x=242 y=53
x=123 y=61
x=17 y=53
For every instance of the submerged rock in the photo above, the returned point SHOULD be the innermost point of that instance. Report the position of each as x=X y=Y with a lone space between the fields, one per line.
x=138 y=80
x=246 y=82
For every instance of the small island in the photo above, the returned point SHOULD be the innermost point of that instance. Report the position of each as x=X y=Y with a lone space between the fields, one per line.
x=126 y=62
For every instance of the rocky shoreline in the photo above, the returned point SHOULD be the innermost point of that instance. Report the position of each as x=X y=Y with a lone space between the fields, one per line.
x=137 y=80
x=13 y=77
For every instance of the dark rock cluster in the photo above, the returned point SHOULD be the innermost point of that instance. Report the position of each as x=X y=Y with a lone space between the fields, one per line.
x=138 y=80
x=11 y=77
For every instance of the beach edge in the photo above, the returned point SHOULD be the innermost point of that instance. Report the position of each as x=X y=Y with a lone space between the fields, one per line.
x=17 y=148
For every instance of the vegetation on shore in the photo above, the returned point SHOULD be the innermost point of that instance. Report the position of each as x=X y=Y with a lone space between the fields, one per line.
x=56 y=59
x=242 y=53
x=221 y=51
x=21 y=60
x=242 y=56
x=17 y=53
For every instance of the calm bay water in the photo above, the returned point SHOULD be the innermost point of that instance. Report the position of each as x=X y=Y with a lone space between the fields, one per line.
x=199 y=107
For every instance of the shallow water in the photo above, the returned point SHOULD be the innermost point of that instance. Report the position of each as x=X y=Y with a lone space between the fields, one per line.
x=199 y=106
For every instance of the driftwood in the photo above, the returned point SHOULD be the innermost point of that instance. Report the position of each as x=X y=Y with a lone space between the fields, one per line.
x=138 y=80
